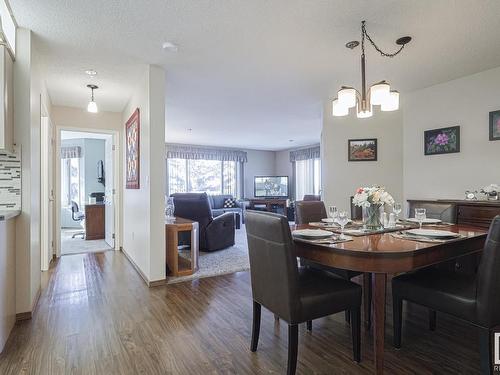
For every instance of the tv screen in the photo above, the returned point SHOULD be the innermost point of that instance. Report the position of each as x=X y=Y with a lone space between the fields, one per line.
x=271 y=187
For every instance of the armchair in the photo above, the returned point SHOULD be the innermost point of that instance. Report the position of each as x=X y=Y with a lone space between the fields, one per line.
x=215 y=233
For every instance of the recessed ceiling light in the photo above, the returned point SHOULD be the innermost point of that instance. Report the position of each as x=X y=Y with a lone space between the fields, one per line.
x=169 y=46
x=91 y=72
x=190 y=130
x=290 y=140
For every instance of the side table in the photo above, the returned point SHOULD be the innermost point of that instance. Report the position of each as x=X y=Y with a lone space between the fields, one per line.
x=179 y=264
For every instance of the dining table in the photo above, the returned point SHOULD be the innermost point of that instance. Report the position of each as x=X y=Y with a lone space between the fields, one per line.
x=380 y=255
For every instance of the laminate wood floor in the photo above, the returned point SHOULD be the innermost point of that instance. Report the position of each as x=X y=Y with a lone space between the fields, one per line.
x=96 y=316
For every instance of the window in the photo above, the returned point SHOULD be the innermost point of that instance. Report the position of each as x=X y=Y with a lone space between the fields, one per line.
x=70 y=178
x=307 y=177
x=209 y=176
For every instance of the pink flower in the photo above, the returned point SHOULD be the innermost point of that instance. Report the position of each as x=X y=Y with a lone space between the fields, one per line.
x=359 y=191
x=442 y=139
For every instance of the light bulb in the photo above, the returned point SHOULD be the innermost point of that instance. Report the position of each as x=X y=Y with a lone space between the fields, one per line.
x=92 y=107
x=392 y=104
x=338 y=109
x=364 y=113
x=379 y=93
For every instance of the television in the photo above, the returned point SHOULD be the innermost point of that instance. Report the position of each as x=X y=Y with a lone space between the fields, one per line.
x=271 y=186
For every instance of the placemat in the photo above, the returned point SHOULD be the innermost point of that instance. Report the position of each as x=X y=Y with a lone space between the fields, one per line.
x=404 y=236
x=324 y=242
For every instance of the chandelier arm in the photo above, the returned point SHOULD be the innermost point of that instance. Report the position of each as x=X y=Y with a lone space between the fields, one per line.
x=385 y=54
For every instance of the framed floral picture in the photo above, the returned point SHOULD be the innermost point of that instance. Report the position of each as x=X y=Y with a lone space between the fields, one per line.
x=442 y=141
x=133 y=161
x=362 y=149
x=495 y=126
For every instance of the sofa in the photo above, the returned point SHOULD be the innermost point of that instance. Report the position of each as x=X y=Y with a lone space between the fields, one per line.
x=217 y=206
x=215 y=233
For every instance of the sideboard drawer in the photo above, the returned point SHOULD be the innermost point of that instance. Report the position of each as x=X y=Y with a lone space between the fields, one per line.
x=476 y=215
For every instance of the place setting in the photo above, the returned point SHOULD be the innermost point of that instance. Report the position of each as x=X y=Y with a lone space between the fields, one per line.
x=320 y=236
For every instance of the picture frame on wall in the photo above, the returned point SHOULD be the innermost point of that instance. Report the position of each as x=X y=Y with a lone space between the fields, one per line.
x=495 y=126
x=133 y=143
x=442 y=141
x=362 y=149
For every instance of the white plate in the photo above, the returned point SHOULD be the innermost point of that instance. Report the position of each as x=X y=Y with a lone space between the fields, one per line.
x=425 y=221
x=312 y=233
x=432 y=233
x=328 y=220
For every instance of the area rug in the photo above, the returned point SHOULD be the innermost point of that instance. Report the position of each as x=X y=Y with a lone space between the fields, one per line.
x=78 y=245
x=221 y=262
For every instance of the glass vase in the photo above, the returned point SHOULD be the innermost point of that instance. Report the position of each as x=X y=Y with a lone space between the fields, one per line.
x=372 y=216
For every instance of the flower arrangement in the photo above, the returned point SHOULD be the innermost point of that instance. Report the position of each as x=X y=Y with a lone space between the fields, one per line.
x=492 y=188
x=374 y=195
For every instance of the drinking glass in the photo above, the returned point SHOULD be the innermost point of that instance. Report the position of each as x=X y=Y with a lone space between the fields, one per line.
x=342 y=220
x=333 y=213
x=397 y=208
x=420 y=215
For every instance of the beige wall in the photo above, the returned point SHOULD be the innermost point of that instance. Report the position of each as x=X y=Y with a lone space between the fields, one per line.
x=143 y=209
x=340 y=177
x=260 y=163
x=465 y=102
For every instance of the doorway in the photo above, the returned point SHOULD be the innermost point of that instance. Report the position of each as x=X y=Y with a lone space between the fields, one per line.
x=86 y=202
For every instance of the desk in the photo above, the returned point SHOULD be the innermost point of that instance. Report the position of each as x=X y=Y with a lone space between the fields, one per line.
x=382 y=255
x=270 y=203
x=178 y=265
x=94 y=221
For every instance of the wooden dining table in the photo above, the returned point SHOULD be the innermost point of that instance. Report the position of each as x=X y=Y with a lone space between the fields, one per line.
x=380 y=255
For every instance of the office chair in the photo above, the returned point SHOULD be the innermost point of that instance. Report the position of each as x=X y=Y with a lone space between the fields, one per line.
x=78 y=216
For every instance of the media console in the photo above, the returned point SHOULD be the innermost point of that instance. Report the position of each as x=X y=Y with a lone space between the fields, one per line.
x=269 y=204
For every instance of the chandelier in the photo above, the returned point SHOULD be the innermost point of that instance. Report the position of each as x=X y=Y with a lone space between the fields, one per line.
x=379 y=93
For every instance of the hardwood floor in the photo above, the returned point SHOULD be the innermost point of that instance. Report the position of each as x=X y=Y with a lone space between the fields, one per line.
x=96 y=316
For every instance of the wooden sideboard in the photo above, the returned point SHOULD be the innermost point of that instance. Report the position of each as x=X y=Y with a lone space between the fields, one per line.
x=477 y=213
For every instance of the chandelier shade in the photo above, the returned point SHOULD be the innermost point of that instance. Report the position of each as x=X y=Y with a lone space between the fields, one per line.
x=392 y=103
x=379 y=94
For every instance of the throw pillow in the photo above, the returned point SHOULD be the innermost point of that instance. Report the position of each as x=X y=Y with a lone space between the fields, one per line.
x=229 y=203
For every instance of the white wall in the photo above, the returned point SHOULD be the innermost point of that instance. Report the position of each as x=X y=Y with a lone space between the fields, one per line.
x=143 y=209
x=465 y=102
x=340 y=177
x=30 y=95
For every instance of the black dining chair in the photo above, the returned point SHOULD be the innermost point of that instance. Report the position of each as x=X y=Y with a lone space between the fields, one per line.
x=312 y=211
x=294 y=294
x=471 y=298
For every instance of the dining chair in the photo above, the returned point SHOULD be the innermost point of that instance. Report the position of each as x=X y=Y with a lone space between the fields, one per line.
x=294 y=294
x=311 y=197
x=472 y=298
x=312 y=211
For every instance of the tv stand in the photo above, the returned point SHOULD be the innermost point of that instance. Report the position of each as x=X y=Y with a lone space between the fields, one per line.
x=269 y=204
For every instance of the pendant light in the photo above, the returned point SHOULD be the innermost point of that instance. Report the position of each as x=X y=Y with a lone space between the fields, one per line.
x=379 y=93
x=92 y=106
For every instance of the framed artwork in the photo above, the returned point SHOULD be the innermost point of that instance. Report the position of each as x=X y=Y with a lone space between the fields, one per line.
x=133 y=161
x=442 y=141
x=362 y=149
x=495 y=126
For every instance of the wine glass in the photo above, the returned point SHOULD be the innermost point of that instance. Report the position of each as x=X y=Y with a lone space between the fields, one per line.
x=342 y=220
x=420 y=215
x=397 y=208
x=333 y=213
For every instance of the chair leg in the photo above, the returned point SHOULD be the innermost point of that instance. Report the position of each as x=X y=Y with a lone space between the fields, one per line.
x=309 y=325
x=485 y=351
x=356 y=333
x=397 y=315
x=348 y=317
x=293 y=344
x=432 y=319
x=255 y=326
x=367 y=299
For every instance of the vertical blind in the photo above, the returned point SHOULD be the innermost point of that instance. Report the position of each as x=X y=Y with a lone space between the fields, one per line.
x=306 y=164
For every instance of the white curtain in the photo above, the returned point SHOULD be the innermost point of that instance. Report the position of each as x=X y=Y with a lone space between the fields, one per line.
x=307 y=177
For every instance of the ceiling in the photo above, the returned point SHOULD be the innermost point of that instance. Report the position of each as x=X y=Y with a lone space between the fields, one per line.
x=254 y=73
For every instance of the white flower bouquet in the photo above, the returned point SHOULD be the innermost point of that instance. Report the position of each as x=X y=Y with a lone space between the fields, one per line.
x=374 y=195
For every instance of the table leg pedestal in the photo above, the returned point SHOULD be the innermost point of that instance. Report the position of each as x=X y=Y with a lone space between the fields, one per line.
x=379 y=297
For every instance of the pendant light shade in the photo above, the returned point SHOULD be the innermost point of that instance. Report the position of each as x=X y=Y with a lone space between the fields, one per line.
x=347 y=97
x=92 y=106
x=338 y=109
x=392 y=104
x=379 y=93
x=364 y=113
